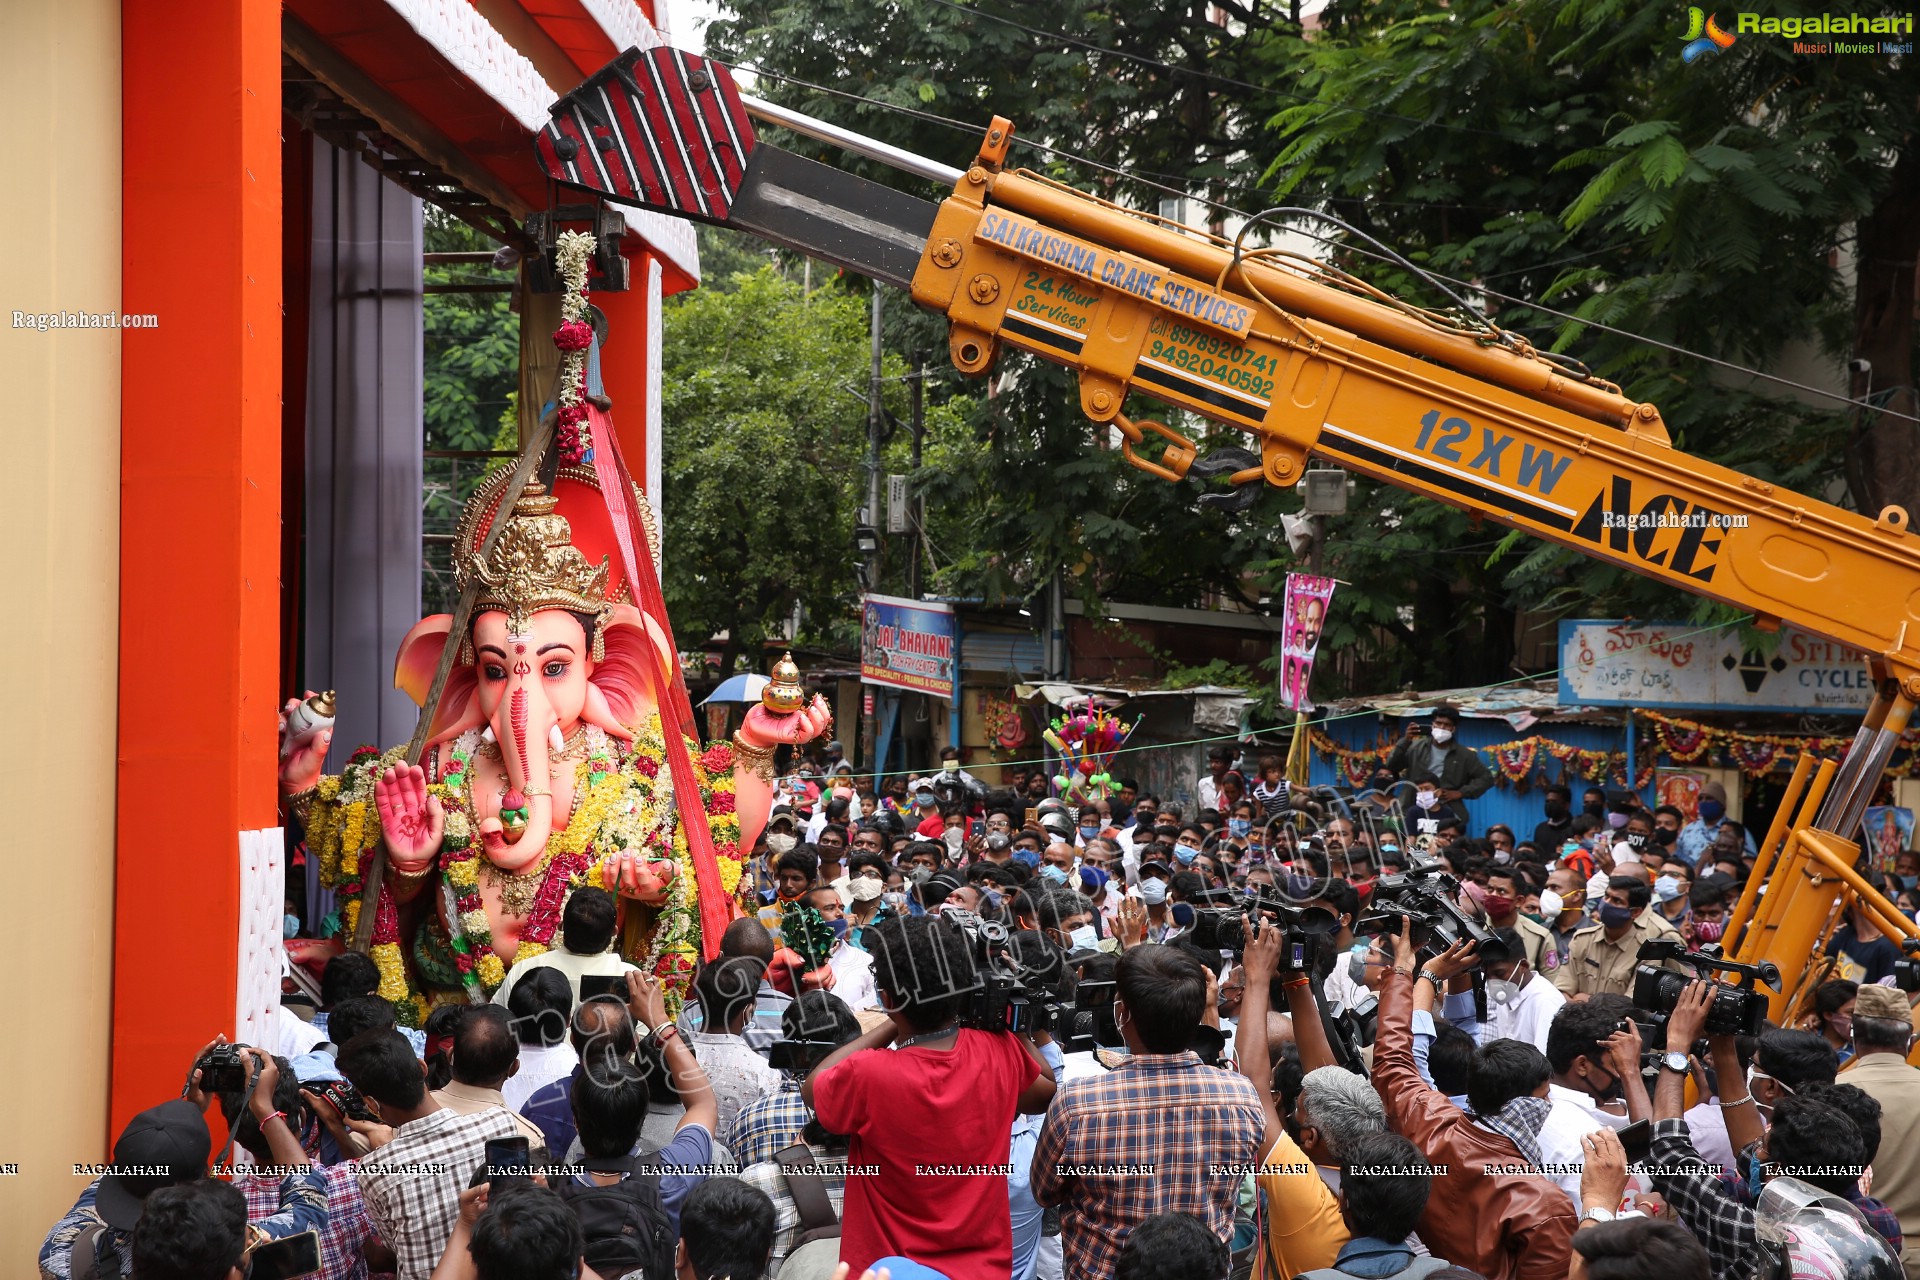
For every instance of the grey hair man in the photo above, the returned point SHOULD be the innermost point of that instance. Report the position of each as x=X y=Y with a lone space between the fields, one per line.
x=1336 y=1106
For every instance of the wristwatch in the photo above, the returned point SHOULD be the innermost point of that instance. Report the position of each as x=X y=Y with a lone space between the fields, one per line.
x=1674 y=1060
x=1596 y=1214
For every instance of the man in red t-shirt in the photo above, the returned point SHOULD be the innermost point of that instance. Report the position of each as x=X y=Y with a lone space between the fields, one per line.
x=930 y=1123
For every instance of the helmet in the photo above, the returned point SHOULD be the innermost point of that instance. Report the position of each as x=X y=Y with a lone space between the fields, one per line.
x=1810 y=1234
x=1048 y=806
x=1057 y=824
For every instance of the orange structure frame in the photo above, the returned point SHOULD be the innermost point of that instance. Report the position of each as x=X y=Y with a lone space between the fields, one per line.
x=201 y=491
x=200 y=520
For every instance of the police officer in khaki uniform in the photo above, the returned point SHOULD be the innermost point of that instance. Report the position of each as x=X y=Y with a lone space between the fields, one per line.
x=1603 y=955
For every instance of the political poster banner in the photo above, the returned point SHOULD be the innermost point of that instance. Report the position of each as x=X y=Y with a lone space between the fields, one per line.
x=1306 y=614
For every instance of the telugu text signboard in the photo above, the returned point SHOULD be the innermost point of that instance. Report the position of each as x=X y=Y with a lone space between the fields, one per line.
x=1608 y=663
x=909 y=644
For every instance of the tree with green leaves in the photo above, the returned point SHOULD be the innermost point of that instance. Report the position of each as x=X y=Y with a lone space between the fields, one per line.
x=765 y=432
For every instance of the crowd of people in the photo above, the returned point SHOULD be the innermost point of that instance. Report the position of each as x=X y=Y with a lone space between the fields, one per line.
x=1135 y=1040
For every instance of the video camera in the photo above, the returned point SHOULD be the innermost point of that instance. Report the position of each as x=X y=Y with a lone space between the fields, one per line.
x=1001 y=1001
x=1737 y=1010
x=1227 y=928
x=1427 y=895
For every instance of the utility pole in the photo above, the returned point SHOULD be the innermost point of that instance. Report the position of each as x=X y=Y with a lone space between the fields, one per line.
x=919 y=530
x=870 y=517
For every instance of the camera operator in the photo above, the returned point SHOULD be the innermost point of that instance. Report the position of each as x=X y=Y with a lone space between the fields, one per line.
x=1812 y=1141
x=96 y=1237
x=1154 y=1129
x=1501 y=1224
x=947 y=1093
x=1603 y=955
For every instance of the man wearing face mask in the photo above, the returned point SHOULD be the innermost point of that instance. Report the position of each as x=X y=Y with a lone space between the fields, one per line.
x=1549 y=835
x=1056 y=864
x=866 y=886
x=1695 y=838
x=781 y=838
x=1188 y=843
x=1444 y=770
x=1580 y=1058
x=1670 y=890
x=852 y=967
x=1502 y=902
x=1521 y=1004
x=1603 y=955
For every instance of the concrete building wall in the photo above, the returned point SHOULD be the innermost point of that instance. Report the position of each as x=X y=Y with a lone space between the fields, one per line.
x=59 y=579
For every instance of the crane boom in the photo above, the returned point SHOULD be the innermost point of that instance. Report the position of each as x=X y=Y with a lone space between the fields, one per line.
x=1306 y=362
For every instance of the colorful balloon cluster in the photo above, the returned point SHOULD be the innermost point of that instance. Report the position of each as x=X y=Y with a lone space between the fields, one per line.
x=1087 y=741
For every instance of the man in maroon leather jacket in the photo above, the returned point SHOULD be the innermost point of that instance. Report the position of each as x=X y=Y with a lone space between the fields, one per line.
x=1506 y=1226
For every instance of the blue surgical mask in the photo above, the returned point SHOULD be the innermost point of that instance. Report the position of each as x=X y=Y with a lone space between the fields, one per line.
x=1083 y=938
x=1026 y=857
x=1239 y=826
x=1186 y=854
x=1153 y=892
x=1089 y=833
x=1057 y=875
x=1756 y=1174
x=839 y=927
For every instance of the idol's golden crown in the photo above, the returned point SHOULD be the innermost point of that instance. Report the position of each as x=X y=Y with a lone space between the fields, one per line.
x=535 y=566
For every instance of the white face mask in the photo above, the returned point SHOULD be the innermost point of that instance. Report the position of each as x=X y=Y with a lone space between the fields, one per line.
x=1426 y=799
x=865 y=888
x=1083 y=938
x=780 y=843
x=1443 y=736
x=1550 y=904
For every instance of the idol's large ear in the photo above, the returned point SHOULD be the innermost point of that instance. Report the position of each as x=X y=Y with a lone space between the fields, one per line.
x=413 y=672
x=625 y=686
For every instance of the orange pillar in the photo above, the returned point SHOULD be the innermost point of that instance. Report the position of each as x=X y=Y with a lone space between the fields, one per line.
x=200 y=520
x=624 y=364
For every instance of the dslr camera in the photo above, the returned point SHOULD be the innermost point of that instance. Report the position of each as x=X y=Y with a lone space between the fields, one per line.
x=1428 y=896
x=1227 y=928
x=1737 y=1010
x=224 y=1070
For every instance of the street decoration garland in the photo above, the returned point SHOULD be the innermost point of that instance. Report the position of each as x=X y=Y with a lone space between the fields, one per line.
x=625 y=801
x=1680 y=741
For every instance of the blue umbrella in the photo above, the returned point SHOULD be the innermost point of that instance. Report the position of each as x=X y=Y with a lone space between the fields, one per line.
x=737 y=689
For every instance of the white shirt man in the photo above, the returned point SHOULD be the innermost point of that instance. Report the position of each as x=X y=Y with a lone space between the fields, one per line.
x=1526 y=1015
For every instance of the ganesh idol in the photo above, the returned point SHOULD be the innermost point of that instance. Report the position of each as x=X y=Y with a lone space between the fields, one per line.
x=545 y=769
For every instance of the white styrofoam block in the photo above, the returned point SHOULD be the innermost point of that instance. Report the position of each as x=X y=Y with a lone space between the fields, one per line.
x=261 y=946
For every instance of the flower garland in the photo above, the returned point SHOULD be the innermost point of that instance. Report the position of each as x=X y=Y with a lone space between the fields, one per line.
x=574 y=338
x=1513 y=762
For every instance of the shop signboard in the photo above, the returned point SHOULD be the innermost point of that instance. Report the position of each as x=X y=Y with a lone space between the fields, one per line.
x=1680 y=665
x=909 y=644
